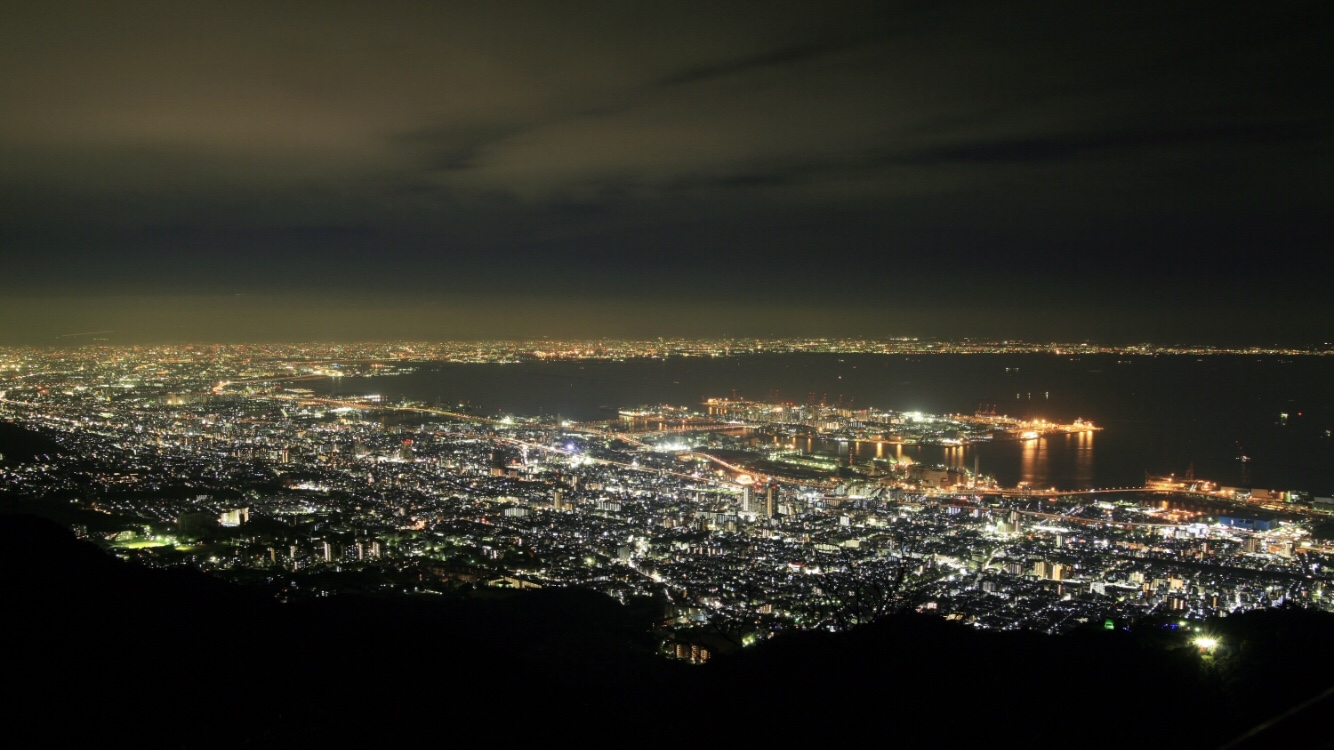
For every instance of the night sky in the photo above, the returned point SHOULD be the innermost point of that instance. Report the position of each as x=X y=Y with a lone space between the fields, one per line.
x=227 y=171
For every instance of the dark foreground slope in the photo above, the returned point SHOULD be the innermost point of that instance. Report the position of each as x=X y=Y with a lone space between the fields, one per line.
x=18 y=445
x=97 y=650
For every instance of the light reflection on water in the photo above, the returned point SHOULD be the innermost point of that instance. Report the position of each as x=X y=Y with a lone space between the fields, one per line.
x=1160 y=414
x=1061 y=461
x=1033 y=463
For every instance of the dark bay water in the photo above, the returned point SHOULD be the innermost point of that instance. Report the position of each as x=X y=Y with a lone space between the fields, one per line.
x=1160 y=414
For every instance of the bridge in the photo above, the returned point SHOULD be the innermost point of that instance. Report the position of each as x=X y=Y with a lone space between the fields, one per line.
x=1034 y=492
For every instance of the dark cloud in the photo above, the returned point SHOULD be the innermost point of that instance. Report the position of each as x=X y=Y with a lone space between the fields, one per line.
x=797 y=53
x=905 y=156
x=1067 y=146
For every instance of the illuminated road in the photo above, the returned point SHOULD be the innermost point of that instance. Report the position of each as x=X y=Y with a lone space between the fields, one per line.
x=525 y=443
x=1031 y=492
x=599 y=430
x=600 y=433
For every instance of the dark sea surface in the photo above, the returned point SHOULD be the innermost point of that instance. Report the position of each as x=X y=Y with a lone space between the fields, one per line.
x=1160 y=414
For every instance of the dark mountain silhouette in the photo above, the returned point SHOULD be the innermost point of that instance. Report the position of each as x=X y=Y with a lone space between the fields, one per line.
x=21 y=445
x=98 y=649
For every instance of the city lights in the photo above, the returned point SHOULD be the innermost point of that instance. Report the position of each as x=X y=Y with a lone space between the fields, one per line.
x=771 y=507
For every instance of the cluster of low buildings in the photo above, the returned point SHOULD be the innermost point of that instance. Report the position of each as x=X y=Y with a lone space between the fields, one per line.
x=275 y=488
